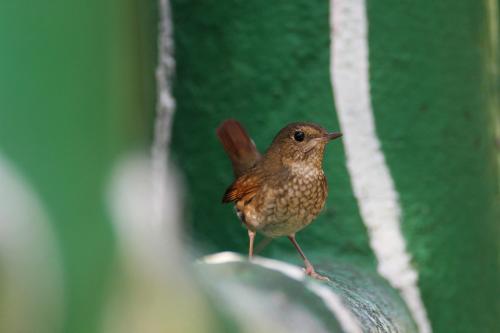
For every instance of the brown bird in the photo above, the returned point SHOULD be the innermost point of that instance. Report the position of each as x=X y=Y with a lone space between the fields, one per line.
x=282 y=191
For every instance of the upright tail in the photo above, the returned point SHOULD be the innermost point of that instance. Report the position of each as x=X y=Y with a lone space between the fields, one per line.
x=238 y=146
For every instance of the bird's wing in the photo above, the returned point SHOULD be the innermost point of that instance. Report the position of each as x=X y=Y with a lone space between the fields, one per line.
x=244 y=187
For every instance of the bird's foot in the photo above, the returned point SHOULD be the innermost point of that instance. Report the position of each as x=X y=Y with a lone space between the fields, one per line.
x=312 y=273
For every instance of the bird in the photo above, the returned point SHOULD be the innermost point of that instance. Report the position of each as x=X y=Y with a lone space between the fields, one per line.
x=282 y=191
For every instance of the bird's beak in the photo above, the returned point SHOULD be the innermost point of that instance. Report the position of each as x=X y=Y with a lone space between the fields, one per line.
x=333 y=135
x=322 y=139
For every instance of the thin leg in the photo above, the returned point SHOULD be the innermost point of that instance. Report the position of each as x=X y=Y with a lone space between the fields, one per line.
x=251 y=236
x=309 y=267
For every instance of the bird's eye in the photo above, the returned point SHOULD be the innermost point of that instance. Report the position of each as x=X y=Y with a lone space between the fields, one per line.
x=299 y=136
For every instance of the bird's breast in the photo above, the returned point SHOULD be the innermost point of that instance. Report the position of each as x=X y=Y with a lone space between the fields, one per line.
x=287 y=205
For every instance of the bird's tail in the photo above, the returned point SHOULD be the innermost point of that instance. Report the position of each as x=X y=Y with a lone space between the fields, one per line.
x=238 y=146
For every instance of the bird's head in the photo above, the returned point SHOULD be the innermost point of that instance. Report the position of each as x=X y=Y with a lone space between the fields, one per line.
x=301 y=142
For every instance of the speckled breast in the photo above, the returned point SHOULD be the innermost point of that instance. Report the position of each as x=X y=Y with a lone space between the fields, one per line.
x=291 y=205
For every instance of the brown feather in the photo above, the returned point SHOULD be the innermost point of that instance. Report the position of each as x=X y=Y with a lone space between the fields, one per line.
x=238 y=146
x=245 y=187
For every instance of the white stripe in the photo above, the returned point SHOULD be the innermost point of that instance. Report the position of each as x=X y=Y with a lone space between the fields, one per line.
x=370 y=176
x=333 y=302
x=164 y=111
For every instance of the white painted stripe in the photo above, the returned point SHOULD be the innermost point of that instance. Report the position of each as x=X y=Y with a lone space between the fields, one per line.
x=164 y=111
x=370 y=176
x=333 y=302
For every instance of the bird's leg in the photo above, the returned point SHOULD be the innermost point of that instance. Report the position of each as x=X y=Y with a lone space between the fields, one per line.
x=251 y=236
x=309 y=267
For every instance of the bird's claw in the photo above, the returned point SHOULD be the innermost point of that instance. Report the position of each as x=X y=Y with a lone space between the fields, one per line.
x=312 y=273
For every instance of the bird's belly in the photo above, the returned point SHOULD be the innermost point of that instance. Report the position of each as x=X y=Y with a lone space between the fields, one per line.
x=285 y=211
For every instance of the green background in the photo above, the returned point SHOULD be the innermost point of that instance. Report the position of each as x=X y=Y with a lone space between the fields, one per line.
x=77 y=90
x=432 y=95
x=265 y=75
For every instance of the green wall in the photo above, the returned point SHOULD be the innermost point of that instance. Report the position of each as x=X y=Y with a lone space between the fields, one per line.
x=265 y=75
x=77 y=91
x=267 y=64
x=73 y=80
x=431 y=96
